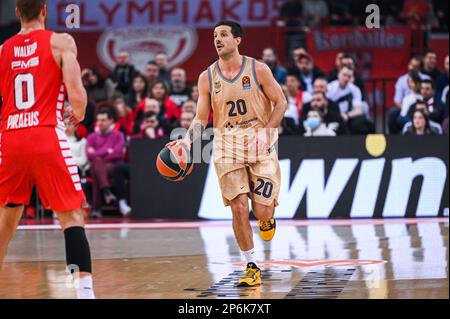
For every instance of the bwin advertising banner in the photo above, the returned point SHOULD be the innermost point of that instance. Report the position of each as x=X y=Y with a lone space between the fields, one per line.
x=322 y=177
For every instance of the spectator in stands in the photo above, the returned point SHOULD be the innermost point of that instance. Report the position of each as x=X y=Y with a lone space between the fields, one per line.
x=314 y=11
x=123 y=73
x=186 y=119
x=330 y=117
x=401 y=86
x=442 y=81
x=305 y=71
x=421 y=125
x=347 y=60
x=121 y=177
x=349 y=99
x=194 y=93
x=314 y=125
x=179 y=92
x=270 y=57
x=435 y=109
x=97 y=87
x=87 y=125
x=422 y=106
x=409 y=100
x=151 y=73
x=162 y=62
x=150 y=127
x=321 y=85
x=139 y=89
x=160 y=92
x=296 y=98
x=189 y=106
x=104 y=149
x=150 y=105
x=124 y=115
x=430 y=66
x=77 y=144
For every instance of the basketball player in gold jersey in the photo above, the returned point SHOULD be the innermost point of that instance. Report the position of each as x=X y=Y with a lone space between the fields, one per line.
x=248 y=107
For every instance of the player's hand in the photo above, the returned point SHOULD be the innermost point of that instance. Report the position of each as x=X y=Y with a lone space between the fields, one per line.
x=185 y=141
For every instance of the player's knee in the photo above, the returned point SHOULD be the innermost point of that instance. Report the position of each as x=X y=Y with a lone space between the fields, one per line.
x=240 y=210
x=263 y=212
x=71 y=219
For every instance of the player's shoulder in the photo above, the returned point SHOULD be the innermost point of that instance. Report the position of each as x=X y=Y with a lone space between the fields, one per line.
x=204 y=80
x=260 y=66
x=63 y=41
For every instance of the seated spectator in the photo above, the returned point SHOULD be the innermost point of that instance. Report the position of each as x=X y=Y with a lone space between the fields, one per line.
x=349 y=99
x=162 y=61
x=123 y=73
x=314 y=125
x=420 y=125
x=97 y=87
x=138 y=91
x=435 y=108
x=305 y=70
x=430 y=66
x=186 y=119
x=442 y=81
x=321 y=85
x=409 y=100
x=179 y=92
x=330 y=117
x=160 y=92
x=150 y=127
x=422 y=106
x=270 y=57
x=150 y=105
x=401 y=86
x=151 y=72
x=296 y=98
x=314 y=11
x=105 y=148
x=189 y=106
x=77 y=145
x=124 y=115
x=194 y=93
x=347 y=60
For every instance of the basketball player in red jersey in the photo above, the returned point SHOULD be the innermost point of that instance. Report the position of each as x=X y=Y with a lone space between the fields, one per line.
x=38 y=68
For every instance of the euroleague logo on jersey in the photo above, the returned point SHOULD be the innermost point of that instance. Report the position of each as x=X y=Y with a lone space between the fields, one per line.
x=144 y=43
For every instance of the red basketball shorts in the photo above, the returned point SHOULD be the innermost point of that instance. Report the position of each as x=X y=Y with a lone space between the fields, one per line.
x=39 y=156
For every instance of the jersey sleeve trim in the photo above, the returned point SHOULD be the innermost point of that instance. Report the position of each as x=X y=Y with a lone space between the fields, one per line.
x=255 y=77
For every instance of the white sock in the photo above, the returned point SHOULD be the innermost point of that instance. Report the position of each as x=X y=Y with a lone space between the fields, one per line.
x=249 y=256
x=85 y=289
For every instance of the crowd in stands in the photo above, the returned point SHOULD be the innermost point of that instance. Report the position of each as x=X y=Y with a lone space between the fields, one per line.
x=128 y=105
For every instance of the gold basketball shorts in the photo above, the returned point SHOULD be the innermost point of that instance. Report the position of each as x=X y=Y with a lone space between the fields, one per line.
x=260 y=180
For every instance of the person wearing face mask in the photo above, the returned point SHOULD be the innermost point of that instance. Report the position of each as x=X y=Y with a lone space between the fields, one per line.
x=314 y=125
x=270 y=58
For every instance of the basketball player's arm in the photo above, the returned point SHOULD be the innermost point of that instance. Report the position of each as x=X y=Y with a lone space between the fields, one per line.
x=200 y=120
x=72 y=74
x=274 y=92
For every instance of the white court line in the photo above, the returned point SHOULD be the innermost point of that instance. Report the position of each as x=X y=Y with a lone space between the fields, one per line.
x=185 y=225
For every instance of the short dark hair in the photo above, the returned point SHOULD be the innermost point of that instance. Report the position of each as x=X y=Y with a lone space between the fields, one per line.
x=320 y=93
x=236 y=28
x=428 y=81
x=294 y=75
x=108 y=111
x=30 y=9
x=415 y=77
x=150 y=114
x=152 y=62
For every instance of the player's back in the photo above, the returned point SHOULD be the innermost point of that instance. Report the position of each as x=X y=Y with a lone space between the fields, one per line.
x=31 y=84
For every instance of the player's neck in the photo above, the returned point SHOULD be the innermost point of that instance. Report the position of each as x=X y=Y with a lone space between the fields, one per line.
x=31 y=26
x=231 y=63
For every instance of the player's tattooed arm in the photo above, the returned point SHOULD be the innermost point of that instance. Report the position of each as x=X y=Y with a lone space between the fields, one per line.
x=66 y=52
x=274 y=92
x=203 y=108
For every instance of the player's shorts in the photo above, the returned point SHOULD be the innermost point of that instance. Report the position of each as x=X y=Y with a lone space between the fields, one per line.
x=39 y=156
x=260 y=180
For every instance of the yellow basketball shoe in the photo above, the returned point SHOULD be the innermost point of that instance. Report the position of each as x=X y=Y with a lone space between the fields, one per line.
x=267 y=229
x=252 y=276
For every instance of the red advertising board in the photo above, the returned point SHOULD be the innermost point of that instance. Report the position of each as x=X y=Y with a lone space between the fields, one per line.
x=380 y=53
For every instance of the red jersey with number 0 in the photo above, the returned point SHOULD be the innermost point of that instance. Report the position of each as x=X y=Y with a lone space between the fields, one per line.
x=31 y=83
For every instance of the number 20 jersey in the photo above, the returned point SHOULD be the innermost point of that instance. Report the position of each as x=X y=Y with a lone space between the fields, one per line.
x=240 y=108
x=31 y=84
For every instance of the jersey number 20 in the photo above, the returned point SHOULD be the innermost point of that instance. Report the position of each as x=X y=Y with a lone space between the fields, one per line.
x=240 y=106
x=24 y=91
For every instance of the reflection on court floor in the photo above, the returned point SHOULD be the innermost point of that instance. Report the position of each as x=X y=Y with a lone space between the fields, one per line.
x=307 y=259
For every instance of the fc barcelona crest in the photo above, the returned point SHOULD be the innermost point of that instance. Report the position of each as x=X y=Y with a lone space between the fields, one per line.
x=246 y=85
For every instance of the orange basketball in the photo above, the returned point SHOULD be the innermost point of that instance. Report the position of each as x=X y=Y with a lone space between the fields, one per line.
x=174 y=163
